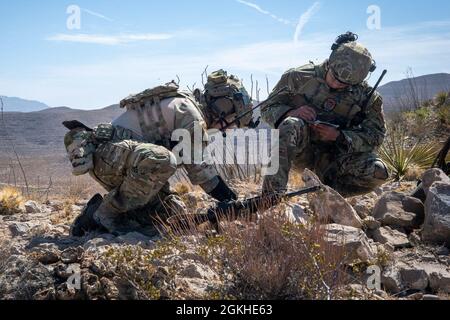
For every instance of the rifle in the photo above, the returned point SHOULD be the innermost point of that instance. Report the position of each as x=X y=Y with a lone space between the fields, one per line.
x=241 y=116
x=233 y=210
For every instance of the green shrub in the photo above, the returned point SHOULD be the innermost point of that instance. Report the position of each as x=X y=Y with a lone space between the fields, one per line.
x=400 y=154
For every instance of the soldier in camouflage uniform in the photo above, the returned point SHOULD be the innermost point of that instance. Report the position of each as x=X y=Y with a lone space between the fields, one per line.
x=326 y=122
x=132 y=157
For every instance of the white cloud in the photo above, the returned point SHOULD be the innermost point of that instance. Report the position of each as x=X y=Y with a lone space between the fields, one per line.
x=304 y=19
x=98 y=15
x=109 y=39
x=261 y=10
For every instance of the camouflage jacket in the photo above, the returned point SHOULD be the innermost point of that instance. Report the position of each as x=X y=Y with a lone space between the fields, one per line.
x=362 y=130
x=156 y=119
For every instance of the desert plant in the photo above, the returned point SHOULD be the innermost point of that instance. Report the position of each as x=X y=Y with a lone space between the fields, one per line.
x=276 y=259
x=443 y=114
x=400 y=154
x=10 y=201
x=442 y=99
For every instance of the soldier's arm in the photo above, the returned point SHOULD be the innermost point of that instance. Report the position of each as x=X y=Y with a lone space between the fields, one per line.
x=370 y=134
x=280 y=101
x=202 y=174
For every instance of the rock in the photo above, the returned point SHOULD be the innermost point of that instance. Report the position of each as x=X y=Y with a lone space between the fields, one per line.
x=46 y=254
x=136 y=238
x=431 y=176
x=439 y=277
x=414 y=279
x=55 y=205
x=371 y=224
x=91 y=286
x=329 y=205
x=436 y=228
x=394 y=237
x=19 y=229
x=399 y=210
x=390 y=279
x=22 y=279
x=415 y=239
x=296 y=214
x=31 y=207
x=415 y=296
x=196 y=270
x=72 y=255
x=363 y=205
x=352 y=240
x=109 y=288
x=430 y=297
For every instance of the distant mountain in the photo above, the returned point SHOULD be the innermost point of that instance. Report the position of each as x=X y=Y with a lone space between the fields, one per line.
x=42 y=132
x=404 y=94
x=13 y=104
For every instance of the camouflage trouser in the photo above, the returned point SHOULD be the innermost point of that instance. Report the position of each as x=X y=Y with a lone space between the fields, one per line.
x=135 y=174
x=348 y=173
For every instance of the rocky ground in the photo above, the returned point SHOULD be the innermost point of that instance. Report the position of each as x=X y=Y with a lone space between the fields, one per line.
x=406 y=238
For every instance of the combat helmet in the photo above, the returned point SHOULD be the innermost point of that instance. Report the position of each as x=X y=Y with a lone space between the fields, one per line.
x=350 y=61
x=226 y=98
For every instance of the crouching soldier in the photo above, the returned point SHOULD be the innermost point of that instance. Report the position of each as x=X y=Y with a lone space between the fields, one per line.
x=330 y=121
x=132 y=158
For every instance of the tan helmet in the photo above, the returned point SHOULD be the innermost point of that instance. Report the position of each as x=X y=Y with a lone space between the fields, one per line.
x=350 y=61
x=226 y=99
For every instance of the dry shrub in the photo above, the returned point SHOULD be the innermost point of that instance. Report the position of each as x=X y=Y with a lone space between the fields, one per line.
x=10 y=201
x=79 y=188
x=274 y=259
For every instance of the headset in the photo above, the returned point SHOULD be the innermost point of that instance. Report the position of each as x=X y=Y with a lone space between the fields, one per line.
x=350 y=37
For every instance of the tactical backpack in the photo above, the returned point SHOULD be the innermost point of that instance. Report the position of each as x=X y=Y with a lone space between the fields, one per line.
x=225 y=95
x=148 y=105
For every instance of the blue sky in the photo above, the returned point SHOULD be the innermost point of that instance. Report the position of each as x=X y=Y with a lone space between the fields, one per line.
x=124 y=47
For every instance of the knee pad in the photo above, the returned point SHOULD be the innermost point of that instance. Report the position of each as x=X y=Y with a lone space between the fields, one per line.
x=292 y=131
x=159 y=164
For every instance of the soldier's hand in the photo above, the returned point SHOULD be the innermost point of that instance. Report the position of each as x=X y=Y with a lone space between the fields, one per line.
x=305 y=112
x=326 y=133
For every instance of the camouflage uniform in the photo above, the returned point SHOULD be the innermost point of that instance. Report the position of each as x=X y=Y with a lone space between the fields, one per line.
x=350 y=164
x=131 y=157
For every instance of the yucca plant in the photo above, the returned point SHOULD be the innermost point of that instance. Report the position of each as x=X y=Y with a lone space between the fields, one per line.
x=443 y=114
x=442 y=99
x=400 y=154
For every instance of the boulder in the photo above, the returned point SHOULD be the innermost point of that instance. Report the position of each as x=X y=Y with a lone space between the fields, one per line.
x=352 y=241
x=329 y=205
x=46 y=253
x=31 y=207
x=394 y=237
x=296 y=214
x=431 y=176
x=363 y=205
x=391 y=280
x=399 y=210
x=439 y=277
x=414 y=279
x=19 y=229
x=436 y=228
x=371 y=224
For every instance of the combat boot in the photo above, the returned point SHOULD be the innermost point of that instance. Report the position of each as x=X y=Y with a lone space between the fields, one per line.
x=85 y=222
